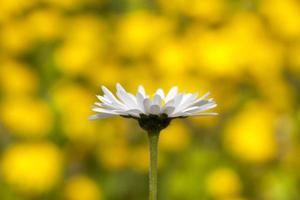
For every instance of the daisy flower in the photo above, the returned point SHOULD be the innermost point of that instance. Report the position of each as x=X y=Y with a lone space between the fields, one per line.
x=153 y=113
x=159 y=107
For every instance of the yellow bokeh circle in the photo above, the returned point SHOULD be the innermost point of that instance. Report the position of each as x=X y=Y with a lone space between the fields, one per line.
x=32 y=167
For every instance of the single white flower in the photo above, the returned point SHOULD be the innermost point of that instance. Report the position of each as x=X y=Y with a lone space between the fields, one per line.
x=172 y=105
x=153 y=114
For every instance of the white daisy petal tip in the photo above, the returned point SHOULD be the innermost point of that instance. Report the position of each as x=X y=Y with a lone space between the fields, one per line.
x=162 y=106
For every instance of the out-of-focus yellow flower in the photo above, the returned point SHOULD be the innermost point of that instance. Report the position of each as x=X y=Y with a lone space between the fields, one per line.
x=236 y=48
x=283 y=16
x=32 y=167
x=68 y=95
x=257 y=52
x=143 y=74
x=82 y=46
x=81 y=188
x=187 y=82
x=208 y=10
x=216 y=53
x=219 y=89
x=175 y=137
x=113 y=151
x=114 y=156
x=251 y=135
x=265 y=58
x=172 y=57
x=134 y=35
x=45 y=24
x=80 y=130
x=283 y=100
x=111 y=73
x=26 y=117
x=223 y=183
x=75 y=124
x=11 y=8
x=17 y=79
x=16 y=37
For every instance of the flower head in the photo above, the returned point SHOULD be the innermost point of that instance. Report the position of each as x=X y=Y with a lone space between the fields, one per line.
x=152 y=112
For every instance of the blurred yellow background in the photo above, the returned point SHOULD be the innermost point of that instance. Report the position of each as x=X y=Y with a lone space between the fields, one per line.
x=54 y=55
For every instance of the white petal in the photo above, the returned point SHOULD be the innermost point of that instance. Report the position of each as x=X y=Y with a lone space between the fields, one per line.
x=105 y=106
x=108 y=93
x=171 y=94
x=177 y=100
x=147 y=105
x=201 y=102
x=127 y=99
x=183 y=101
x=188 y=100
x=208 y=106
x=155 y=109
x=98 y=104
x=100 y=116
x=161 y=93
x=132 y=97
x=168 y=110
x=121 y=112
x=108 y=104
x=134 y=112
x=191 y=109
x=201 y=98
x=205 y=95
x=176 y=114
x=111 y=97
x=156 y=100
x=102 y=110
x=140 y=100
x=103 y=99
x=179 y=103
x=120 y=88
x=170 y=103
x=202 y=108
x=203 y=114
x=142 y=90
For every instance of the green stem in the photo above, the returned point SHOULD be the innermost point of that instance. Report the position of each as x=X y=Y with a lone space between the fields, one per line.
x=153 y=147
